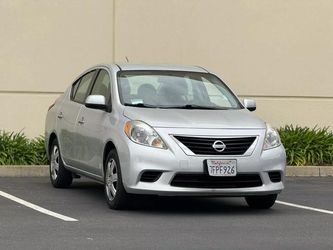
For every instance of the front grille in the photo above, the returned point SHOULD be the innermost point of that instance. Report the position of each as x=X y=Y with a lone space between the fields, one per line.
x=150 y=176
x=206 y=181
x=204 y=146
x=275 y=176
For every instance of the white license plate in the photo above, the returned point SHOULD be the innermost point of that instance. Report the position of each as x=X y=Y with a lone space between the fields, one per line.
x=222 y=167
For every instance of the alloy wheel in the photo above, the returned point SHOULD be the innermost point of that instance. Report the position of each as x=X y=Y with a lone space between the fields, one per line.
x=54 y=163
x=111 y=179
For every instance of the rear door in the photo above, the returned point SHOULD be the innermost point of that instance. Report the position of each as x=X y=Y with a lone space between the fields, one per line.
x=68 y=117
x=93 y=128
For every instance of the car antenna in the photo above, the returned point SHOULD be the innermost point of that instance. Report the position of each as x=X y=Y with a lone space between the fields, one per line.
x=126 y=59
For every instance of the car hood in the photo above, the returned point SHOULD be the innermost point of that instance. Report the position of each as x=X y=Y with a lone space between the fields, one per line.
x=185 y=118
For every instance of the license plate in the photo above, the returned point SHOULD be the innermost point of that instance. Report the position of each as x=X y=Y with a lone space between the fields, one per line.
x=222 y=167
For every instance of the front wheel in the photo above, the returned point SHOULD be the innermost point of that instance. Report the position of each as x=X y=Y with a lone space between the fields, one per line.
x=59 y=175
x=261 y=202
x=115 y=193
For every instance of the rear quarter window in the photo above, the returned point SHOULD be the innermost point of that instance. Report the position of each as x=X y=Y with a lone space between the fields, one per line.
x=74 y=88
x=83 y=87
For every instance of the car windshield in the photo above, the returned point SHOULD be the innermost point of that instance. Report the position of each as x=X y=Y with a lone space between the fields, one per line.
x=174 y=89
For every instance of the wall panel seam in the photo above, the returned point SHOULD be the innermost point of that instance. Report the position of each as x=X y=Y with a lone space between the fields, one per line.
x=287 y=97
x=30 y=92
x=242 y=96
x=114 y=32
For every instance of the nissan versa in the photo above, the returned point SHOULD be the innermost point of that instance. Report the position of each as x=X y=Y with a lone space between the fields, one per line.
x=162 y=130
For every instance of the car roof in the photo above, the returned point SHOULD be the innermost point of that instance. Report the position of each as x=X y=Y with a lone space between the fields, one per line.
x=170 y=67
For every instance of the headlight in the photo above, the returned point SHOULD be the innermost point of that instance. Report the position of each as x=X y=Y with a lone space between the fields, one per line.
x=272 y=138
x=142 y=133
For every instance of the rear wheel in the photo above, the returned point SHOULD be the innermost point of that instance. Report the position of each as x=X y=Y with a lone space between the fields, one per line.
x=115 y=193
x=59 y=175
x=261 y=202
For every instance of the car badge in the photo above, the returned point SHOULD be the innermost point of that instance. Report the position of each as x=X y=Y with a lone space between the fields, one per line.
x=219 y=146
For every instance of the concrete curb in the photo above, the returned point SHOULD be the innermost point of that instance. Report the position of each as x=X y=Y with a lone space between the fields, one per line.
x=42 y=171
x=24 y=171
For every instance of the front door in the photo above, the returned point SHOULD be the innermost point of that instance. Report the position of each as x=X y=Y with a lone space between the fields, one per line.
x=93 y=127
x=68 y=118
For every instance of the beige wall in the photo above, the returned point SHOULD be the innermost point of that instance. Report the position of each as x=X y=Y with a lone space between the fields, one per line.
x=43 y=46
x=279 y=52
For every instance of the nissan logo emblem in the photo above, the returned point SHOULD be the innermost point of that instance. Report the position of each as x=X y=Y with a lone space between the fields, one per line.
x=219 y=146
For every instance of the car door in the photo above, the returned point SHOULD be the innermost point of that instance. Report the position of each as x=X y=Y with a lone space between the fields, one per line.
x=68 y=115
x=93 y=128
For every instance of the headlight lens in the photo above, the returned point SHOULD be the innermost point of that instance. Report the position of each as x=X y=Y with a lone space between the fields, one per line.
x=142 y=133
x=272 y=138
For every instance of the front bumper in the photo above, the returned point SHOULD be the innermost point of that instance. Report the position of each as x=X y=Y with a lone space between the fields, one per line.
x=136 y=159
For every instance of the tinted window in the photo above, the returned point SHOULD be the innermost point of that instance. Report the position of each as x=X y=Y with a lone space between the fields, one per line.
x=81 y=92
x=102 y=85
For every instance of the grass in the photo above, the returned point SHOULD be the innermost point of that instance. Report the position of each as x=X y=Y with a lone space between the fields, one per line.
x=304 y=146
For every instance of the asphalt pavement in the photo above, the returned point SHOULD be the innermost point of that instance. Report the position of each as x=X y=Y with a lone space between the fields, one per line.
x=163 y=222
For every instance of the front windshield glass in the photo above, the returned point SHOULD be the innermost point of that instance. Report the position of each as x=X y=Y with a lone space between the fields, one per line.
x=174 y=89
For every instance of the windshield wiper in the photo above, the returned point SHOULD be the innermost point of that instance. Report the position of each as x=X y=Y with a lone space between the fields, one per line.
x=191 y=106
x=187 y=106
x=141 y=105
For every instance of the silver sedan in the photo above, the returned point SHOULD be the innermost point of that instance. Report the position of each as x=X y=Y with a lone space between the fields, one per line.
x=162 y=130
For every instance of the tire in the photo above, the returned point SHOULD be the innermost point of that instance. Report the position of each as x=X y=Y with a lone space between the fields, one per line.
x=115 y=193
x=261 y=202
x=60 y=177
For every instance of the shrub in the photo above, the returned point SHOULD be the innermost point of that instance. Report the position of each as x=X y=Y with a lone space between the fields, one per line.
x=17 y=149
x=307 y=146
x=38 y=148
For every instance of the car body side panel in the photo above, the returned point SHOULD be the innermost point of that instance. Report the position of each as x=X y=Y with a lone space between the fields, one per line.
x=90 y=139
x=66 y=130
x=51 y=121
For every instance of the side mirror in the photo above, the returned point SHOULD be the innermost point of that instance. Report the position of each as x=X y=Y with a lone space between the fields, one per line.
x=250 y=104
x=95 y=102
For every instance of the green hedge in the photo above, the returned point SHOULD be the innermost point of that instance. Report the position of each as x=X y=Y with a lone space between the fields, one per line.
x=17 y=149
x=304 y=146
x=307 y=146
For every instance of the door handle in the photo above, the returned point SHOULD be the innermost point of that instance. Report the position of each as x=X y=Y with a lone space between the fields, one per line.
x=81 y=121
x=60 y=115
